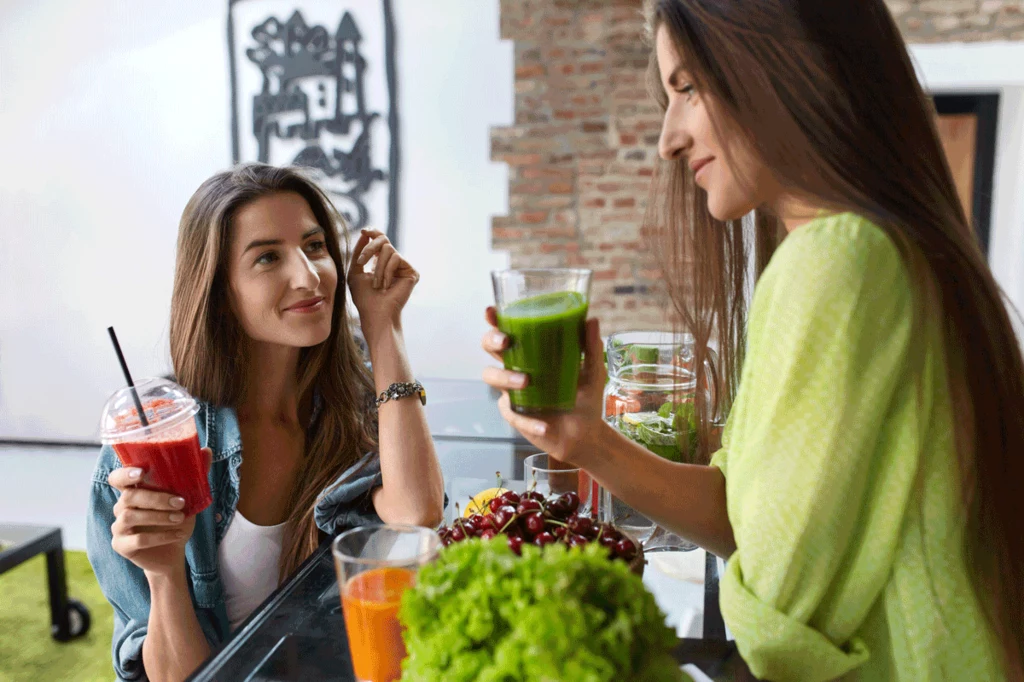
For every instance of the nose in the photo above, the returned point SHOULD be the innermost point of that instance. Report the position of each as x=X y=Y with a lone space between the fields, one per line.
x=675 y=140
x=303 y=273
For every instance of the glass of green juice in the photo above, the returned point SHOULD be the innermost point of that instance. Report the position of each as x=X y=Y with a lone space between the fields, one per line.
x=543 y=312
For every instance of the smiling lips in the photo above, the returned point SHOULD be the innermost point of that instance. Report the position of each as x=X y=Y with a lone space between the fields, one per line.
x=697 y=164
x=310 y=305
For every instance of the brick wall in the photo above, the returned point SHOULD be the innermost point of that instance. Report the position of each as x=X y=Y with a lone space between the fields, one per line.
x=935 y=21
x=582 y=148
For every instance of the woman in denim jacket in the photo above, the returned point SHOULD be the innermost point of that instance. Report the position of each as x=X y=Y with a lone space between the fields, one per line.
x=260 y=335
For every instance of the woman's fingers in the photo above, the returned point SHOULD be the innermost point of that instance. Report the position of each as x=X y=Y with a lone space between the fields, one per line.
x=504 y=379
x=125 y=477
x=139 y=498
x=394 y=263
x=527 y=426
x=126 y=545
x=594 y=369
x=385 y=255
x=357 y=251
x=141 y=518
x=373 y=249
x=494 y=342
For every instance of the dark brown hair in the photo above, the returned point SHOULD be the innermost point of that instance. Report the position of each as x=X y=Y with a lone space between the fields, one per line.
x=208 y=345
x=826 y=96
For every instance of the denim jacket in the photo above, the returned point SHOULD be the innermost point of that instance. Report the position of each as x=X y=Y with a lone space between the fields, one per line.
x=343 y=506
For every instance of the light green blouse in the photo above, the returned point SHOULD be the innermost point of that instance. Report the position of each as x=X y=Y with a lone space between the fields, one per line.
x=841 y=486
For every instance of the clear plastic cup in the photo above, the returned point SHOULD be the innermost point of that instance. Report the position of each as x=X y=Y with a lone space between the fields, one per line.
x=376 y=565
x=168 y=448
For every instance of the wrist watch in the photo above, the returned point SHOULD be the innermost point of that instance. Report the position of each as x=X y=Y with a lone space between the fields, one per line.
x=402 y=390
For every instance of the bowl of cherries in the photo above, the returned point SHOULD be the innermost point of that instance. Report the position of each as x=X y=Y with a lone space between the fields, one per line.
x=532 y=518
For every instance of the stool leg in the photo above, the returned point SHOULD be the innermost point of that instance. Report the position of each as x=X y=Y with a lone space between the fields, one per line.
x=60 y=627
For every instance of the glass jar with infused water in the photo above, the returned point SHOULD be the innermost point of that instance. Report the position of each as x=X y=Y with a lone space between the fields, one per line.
x=650 y=398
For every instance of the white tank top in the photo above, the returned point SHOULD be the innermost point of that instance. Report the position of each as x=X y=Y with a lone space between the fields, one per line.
x=248 y=559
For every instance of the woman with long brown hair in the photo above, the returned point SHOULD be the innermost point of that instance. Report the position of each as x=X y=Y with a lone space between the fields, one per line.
x=290 y=417
x=866 y=492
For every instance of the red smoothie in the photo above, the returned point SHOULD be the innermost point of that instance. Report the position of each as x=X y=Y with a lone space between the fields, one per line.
x=171 y=458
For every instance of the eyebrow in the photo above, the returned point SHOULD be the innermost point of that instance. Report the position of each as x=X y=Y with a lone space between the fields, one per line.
x=257 y=243
x=674 y=76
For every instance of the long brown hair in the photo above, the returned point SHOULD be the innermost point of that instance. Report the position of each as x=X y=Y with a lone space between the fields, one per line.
x=209 y=349
x=827 y=97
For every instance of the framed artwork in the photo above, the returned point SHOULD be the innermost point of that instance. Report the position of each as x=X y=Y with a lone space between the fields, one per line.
x=313 y=84
x=968 y=123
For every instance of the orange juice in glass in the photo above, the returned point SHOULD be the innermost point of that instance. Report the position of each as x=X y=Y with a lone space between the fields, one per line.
x=376 y=564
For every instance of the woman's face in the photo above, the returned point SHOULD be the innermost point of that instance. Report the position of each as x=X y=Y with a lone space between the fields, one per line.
x=734 y=187
x=281 y=278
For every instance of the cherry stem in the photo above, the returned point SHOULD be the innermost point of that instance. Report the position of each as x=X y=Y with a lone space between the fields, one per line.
x=507 y=524
x=558 y=523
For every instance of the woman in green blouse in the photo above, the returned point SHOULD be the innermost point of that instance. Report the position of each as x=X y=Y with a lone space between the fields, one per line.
x=866 y=489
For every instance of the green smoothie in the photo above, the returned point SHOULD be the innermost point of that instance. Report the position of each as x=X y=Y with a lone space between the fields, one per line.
x=546 y=342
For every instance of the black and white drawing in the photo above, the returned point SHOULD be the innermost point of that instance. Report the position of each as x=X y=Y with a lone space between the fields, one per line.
x=313 y=84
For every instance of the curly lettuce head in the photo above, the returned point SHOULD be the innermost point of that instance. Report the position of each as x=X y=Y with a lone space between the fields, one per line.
x=480 y=613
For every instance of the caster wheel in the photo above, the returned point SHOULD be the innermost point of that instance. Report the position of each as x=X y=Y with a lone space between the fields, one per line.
x=78 y=621
x=78 y=618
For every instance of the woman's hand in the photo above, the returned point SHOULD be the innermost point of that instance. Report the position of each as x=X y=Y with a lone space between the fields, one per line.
x=379 y=296
x=566 y=437
x=149 y=528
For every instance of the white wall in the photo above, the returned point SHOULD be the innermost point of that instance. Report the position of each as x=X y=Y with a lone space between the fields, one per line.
x=111 y=114
x=999 y=68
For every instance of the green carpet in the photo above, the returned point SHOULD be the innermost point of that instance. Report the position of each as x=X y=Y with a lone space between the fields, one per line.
x=27 y=652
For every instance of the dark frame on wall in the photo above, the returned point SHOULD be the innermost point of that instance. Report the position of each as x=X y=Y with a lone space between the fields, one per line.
x=985 y=107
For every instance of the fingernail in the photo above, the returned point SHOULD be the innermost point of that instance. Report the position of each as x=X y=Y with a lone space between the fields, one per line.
x=135 y=474
x=176 y=517
x=497 y=338
x=177 y=502
x=539 y=428
x=518 y=380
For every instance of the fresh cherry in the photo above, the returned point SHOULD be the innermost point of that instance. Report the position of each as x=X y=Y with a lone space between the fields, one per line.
x=559 y=531
x=572 y=501
x=528 y=506
x=515 y=543
x=577 y=540
x=534 y=523
x=608 y=530
x=488 y=533
x=503 y=516
x=494 y=504
x=532 y=495
x=510 y=497
x=608 y=541
x=558 y=508
x=457 y=534
x=581 y=525
x=625 y=549
x=544 y=538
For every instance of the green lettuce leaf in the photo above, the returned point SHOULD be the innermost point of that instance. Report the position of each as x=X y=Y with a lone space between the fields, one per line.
x=481 y=613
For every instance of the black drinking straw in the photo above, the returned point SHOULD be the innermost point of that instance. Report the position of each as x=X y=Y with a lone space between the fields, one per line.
x=128 y=376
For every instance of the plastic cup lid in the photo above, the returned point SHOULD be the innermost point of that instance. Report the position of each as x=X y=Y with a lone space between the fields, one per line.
x=166 y=405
